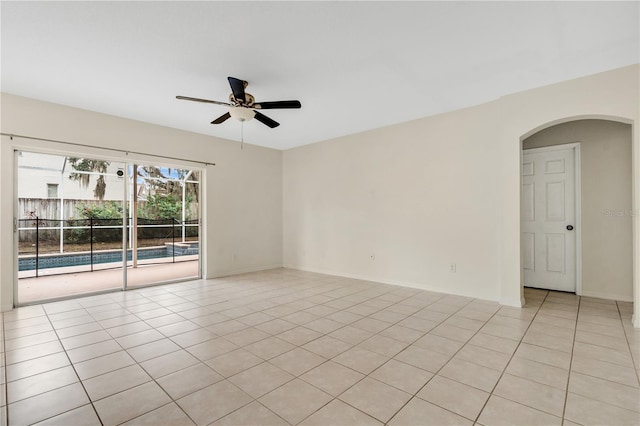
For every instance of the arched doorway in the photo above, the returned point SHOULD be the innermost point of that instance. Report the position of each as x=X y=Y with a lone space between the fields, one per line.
x=604 y=255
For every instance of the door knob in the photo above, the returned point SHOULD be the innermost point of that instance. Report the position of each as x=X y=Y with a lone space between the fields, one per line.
x=569 y=227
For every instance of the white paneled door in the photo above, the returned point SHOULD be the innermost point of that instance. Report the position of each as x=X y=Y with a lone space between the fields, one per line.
x=549 y=218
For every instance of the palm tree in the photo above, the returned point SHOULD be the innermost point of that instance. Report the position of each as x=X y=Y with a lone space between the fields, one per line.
x=94 y=166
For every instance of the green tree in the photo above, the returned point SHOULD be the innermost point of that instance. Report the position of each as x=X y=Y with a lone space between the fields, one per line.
x=94 y=166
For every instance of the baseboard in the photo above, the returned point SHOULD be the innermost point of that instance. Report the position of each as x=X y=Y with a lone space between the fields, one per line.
x=516 y=302
x=398 y=283
x=6 y=308
x=242 y=271
x=608 y=296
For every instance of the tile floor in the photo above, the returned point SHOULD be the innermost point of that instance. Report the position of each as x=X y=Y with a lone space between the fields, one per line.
x=289 y=347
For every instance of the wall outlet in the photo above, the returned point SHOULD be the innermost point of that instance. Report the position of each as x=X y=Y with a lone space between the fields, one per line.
x=453 y=267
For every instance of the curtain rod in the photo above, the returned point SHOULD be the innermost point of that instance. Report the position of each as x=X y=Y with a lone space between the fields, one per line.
x=11 y=135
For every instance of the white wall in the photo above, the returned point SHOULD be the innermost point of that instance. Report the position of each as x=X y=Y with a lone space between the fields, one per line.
x=427 y=193
x=243 y=211
x=605 y=153
x=417 y=196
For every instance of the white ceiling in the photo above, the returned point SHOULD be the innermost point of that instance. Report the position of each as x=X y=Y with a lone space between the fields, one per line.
x=353 y=65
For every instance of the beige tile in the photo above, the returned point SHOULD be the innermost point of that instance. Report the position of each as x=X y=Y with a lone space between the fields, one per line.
x=383 y=345
x=338 y=413
x=31 y=340
x=104 y=364
x=275 y=326
x=502 y=412
x=48 y=404
x=538 y=372
x=169 y=414
x=423 y=413
x=453 y=333
x=295 y=400
x=261 y=379
x=591 y=412
x=388 y=316
x=95 y=350
x=82 y=416
x=403 y=334
x=269 y=347
x=494 y=343
x=297 y=361
x=233 y=362
x=603 y=354
x=129 y=328
x=193 y=337
x=542 y=319
x=361 y=360
x=36 y=366
x=173 y=329
x=26 y=331
x=371 y=324
x=532 y=394
x=78 y=330
x=211 y=348
x=152 y=350
x=324 y=325
x=471 y=374
x=227 y=327
x=116 y=381
x=551 y=342
x=418 y=324
x=402 y=376
x=423 y=358
x=40 y=383
x=622 y=396
x=251 y=414
x=466 y=323
x=327 y=346
x=344 y=317
x=482 y=356
x=440 y=344
x=189 y=380
x=169 y=363
x=299 y=336
x=454 y=396
x=352 y=335
x=246 y=336
x=31 y=352
x=604 y=370
x=131 y=403
x=617 y=343
x=141 y=338
x=375 y=398
x=332 y=377
x=544 y=355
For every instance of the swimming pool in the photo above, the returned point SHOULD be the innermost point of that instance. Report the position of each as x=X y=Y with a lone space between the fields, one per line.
x=59 y=260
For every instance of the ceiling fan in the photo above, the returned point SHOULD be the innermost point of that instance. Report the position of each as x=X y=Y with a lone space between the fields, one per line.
x=243 y=105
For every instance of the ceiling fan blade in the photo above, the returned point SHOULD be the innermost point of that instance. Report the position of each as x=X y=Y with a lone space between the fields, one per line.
x=206 y=101
x=277 y=105
x=221 y=119
x=237 y=87
x=266 y=120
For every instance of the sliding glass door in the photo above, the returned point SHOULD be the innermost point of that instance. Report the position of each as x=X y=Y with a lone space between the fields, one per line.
x=88 y=225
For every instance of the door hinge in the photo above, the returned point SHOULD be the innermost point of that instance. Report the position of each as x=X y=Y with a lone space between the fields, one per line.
x=15 y=224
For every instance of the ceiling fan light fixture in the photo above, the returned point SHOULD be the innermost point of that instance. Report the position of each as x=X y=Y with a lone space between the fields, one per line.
x=242 y=113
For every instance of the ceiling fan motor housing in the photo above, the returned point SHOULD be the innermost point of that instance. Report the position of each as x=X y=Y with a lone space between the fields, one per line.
x=249 y=100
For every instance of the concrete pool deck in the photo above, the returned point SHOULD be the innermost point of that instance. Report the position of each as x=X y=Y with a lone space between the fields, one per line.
x=75 y=280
